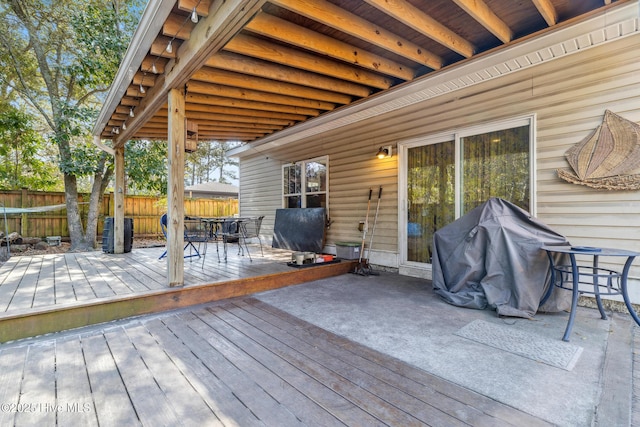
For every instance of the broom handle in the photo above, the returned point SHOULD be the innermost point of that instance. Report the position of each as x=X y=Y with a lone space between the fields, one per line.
x=366 y=226
x=375 y=220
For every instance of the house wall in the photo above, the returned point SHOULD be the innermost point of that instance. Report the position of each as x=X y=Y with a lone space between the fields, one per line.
x=568 y=95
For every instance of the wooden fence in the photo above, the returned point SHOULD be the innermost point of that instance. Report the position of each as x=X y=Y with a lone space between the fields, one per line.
x=145 y=211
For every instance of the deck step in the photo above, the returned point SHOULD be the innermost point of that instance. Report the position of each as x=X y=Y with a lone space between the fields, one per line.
x=34 y=322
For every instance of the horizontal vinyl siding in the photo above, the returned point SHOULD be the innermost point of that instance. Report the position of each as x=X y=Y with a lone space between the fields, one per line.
x=568 y=95
x=260 y=190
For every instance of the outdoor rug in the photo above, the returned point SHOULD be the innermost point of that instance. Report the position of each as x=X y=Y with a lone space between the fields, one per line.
x=555 y=353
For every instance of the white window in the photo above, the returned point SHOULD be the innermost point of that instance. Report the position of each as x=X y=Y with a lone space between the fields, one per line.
x=445 y=176
x=306 y=184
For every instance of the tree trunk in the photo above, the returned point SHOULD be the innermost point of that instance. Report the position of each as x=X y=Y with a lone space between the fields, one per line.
x=74 y=219
x=100 y=181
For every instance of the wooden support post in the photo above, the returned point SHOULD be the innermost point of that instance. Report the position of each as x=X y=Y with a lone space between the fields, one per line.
x=175 y=190
x=118 y=209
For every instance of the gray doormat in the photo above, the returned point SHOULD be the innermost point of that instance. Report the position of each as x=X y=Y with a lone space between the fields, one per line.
x=553 y=352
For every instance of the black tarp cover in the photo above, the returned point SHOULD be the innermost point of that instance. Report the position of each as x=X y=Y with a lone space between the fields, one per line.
x=491 y=257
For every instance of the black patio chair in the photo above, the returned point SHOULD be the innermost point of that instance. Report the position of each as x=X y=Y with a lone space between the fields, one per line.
x=195 y=232
x=251 y=229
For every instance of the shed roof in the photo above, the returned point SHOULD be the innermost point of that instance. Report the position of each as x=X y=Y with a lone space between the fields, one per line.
x=252 y=68
x=217 y=188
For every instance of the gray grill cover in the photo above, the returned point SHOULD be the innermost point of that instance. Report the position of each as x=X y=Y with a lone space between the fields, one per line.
x=491 y=257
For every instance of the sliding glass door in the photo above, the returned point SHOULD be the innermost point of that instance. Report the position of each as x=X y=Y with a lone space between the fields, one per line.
x=449 y=175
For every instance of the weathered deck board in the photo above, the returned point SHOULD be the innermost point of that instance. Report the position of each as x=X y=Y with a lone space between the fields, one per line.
x=425 y=408
x=469 y=406
x=45 y=290
x=11 y=366
x=233 y=362
x=12 y=281
x=304 y=408
x=217 y=395
x=261 y=403
x=329 y=396
x=149 y=401
x=25 y=292
x=47 y=280
x=38 y=389
x=111 y=401
x=63 y=286
x=190 y=408
x=73 y=389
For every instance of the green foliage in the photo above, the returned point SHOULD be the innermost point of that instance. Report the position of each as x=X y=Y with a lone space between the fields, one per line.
x=210 y=163
x=102 y=32
x=146 y=167
x=20 y=162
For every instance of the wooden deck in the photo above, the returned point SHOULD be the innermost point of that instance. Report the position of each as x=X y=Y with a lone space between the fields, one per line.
x=233 y=362
x=50 y=293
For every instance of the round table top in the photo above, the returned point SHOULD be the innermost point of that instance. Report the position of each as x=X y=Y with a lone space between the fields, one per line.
x=590 y=250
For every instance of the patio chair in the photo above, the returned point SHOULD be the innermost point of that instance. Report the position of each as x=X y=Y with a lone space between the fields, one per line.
x=232 y=231
x=195 y=231
x=251 y=229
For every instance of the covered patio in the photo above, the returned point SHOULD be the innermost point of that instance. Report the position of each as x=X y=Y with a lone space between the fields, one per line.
x=344 y=350
x=272 y=73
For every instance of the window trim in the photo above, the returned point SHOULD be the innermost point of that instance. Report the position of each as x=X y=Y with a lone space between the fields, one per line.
x=303 y=183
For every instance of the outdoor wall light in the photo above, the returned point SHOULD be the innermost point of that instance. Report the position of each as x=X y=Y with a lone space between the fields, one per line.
x=385 y=152
x=131 y=113
x=194 y=16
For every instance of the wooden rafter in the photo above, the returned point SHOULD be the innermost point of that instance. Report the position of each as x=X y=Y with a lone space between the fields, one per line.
x=413 y=17
x=266 y=65
x=263 y=49
x=255 y=67
x=294 y=35
x=332 y=16
x=548 y=12
x=211 y=75
x=479 y=10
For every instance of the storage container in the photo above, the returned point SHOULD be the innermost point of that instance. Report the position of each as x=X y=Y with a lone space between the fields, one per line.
x=348 y=250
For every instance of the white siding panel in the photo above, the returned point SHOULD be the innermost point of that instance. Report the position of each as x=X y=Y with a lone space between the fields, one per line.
x=568 y=95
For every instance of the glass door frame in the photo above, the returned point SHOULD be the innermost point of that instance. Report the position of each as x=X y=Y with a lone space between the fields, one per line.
x=456 y=136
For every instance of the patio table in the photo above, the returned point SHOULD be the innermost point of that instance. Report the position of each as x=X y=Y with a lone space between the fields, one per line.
x=604 y=281
x=224 y=228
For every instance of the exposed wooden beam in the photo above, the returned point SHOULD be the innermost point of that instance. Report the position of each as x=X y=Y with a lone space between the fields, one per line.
x=482 y=13
x=195 y=105
x=263 y=49
x=202 y=6
x=246 y=65
x=225 y=20
x=218 y=116
x=214 y=124
x=149 y=61
x=413 y=17
x=229 y=78
x=295 y=35
x=333 y=16
x=548 y=11
x=178 y=26
x=205 y=124
x=257 y=106
x=159 y=47
x=254 y=95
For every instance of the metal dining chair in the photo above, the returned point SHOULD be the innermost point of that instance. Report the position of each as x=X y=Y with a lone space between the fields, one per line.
x=195 y=232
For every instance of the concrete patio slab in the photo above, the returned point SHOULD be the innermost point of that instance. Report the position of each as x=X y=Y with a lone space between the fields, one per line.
x=402 y=317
